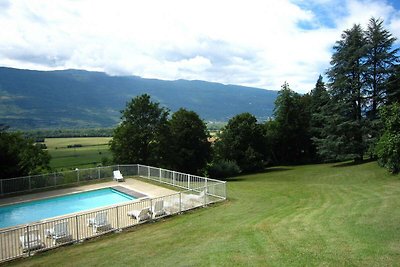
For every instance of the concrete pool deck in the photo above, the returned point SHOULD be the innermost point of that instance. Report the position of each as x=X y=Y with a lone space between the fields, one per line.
x=148 y=189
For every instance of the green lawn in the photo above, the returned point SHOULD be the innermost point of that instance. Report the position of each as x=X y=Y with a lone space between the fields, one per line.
x=89 y=155
x=289 y=216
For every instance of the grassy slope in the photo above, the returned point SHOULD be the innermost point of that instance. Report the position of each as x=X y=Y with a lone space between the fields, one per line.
x=89 y=155
x=306 y=215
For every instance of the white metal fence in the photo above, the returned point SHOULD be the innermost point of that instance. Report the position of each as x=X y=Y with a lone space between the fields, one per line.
x=56 y=179
x=27 y=239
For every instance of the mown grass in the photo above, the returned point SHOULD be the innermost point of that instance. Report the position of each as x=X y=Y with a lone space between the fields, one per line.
x=289 y=216
x=89 y=155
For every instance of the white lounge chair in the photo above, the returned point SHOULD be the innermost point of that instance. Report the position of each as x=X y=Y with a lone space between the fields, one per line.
x=193 y=197
x=59 y=233
x=192 y=200
x=31 y=240
x=118 y=176
x=99 y=222
x=140 y=215
x=158 y=209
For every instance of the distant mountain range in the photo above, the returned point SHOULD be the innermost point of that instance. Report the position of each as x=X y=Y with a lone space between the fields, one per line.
x=83 y=99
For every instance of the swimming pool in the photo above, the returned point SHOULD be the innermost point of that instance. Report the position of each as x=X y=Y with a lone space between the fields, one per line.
x=36 y=210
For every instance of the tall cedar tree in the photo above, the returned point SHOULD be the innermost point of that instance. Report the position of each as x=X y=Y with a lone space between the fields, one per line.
x=242 y=141
x=380 y=61
x=190 y=148
x=319 y=99
x=393 y=86
x=142 y=137
x=343 y=132
x=292 y=127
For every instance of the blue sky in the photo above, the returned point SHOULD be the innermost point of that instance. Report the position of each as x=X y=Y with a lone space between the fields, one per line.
x=260 y=43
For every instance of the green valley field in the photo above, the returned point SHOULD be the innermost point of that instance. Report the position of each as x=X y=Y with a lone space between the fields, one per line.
x=87 y=154
x=329 y=215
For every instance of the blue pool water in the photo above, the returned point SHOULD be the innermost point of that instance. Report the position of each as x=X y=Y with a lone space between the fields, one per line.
x=36 y=210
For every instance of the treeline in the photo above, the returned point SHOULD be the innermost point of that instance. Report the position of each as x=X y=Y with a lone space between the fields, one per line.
x=354 y=116
x=66 y=133
x=41 y=134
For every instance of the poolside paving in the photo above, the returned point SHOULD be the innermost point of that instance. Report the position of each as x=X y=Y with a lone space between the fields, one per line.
x=150 y=190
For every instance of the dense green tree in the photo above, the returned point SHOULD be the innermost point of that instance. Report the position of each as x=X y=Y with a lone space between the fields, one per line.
x=221 y=169
x=292 y=116
x=380 y=61
x=190 y=149
x=142 y=137
x=19 y=156
x=393 y=86
x=242 y=141
x=343 y=133
x=388 y=147
x=271 y=139
x=319 y=100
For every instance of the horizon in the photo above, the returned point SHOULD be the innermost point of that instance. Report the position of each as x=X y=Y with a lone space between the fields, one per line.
x=225 y=42
x=109 y=75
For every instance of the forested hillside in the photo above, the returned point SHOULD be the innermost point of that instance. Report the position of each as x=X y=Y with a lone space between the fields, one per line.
x=83 y=99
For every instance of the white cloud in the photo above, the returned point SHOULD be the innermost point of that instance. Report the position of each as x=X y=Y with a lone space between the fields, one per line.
x=253 y=42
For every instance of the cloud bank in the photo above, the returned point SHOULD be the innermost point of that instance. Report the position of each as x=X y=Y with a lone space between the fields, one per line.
x=253 y=42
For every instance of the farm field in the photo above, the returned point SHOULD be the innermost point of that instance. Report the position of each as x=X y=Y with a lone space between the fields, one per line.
x=89 y=153
x=328 y=214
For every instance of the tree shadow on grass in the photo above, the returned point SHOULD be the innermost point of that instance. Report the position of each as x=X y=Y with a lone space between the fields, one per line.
x=234 y=179
x=352 y=163
x=276 y=169
x=272 y=169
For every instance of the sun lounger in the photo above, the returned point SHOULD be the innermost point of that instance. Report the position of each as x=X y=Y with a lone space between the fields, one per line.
x=140 y=215
x=31 y=240
x=192 y=200
x=59 y=233
x=118 y=176
x=158 y=209
x=99 y=222
x=193 y=197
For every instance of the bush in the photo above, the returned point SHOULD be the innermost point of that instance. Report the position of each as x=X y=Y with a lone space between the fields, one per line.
x=74 y=146
x=388 y=152
x=223 y=169
x=105 y=161
x=20 y=157
x=41 y=145
x=388 y=147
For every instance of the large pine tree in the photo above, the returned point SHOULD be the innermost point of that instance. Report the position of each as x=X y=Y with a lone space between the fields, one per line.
x=342 y=136
x=319 y=100
x=380 y=61
x=393 y=86
x=363 y=77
